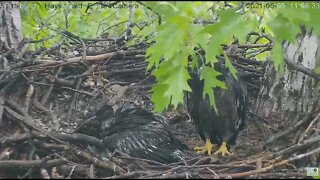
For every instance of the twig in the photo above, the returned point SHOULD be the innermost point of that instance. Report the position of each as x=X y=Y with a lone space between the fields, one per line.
x=184 y=175
x=276 y=175
x=158 y=15
x=14 y=139
x=105 y=165
x=30 y=163
x=290 y=129
x=305 y=133
x=254 y=45
x=129 y=175
x=80 y=170
x=47 y=95
x=44 y=173
x=74 y=98
x=270 y=167
x=302 y=68
x=46 y=63
x=28 y=120
x=29 y=93
x=1 y=106
x=49 y=113
x=68 y=88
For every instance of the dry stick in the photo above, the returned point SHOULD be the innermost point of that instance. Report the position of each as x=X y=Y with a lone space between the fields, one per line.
x=270 y=167
x=47 y=95
x=55 y=174
x=276 y=175
x=73 y=102
x=14 y=139
x=1 y=106
x=254 y=45
x=114 y=72
x=28 y=121
x=305 y=133
x=8 y=150
x=5 y=154
x=100 y=57
x=30 y=92
x=289 y=130
x=67 y=88
x=129 y=175
x=97 y=162
x=302 y=68
x=163 y=172
x=49 y=113
x=219 y=166
x=184 y=175
x=77 y=137
x=77 y=94
x=278 y=155
x=111 y=166
x=44 y=173
x=30 y=163
x=80 y=170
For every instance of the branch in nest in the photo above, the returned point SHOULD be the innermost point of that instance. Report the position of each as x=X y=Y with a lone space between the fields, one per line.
x=30 y=163
x=289 y=130
x=1 y=106
x=305 y=133
x=14 y=139
x=81 y=171
x=302 y=68
x=99 y=163
x=110 y=166
x=129 y=175
x=183 y=175
x=270 y=167
x=46 y=63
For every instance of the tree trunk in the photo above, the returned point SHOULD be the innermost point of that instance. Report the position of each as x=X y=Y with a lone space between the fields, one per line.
x=293 y=93
x=10 y=25
x=288 y=98
x=10 y=37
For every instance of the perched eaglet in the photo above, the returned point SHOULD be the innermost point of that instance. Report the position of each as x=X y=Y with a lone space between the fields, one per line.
x=139 y=133
x=220 y=127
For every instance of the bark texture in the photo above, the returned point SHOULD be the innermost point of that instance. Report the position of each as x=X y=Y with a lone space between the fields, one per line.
x=10 y=24
x=289 y=96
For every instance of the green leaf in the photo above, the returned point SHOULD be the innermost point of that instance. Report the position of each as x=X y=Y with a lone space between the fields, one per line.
x=223 y=31
x=195 y=62
x=209 y=75
x=169 y=41
x=172 y=76
x=317 y=70
x=161 y=73
x=212 y=50
x=159 y=100
x=231 y=68
x=283 y=29
x=277 y=56
x=177 y=84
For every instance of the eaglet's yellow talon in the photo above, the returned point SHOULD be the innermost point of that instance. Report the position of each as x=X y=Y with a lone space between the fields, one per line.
x=223 y=150
x=206 y=148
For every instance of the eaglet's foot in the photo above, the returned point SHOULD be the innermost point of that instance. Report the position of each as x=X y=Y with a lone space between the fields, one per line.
x=223 y=150
x=206 y=148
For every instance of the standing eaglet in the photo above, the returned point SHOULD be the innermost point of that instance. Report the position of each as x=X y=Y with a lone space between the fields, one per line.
x=218 y=128
x=139 y=133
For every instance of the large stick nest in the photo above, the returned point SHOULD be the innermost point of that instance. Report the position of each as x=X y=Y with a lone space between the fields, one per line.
x=46 y=95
